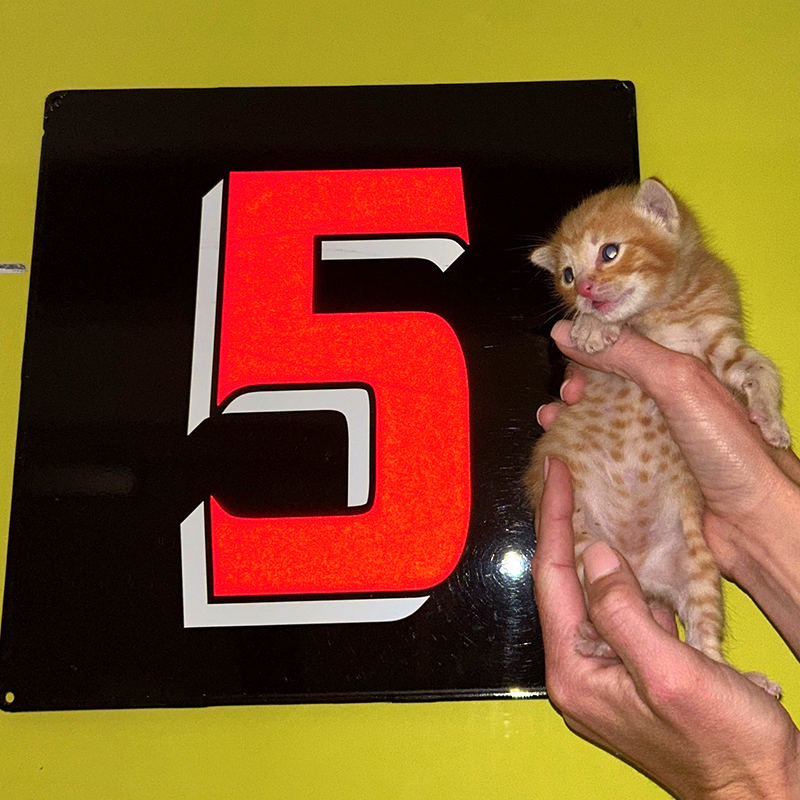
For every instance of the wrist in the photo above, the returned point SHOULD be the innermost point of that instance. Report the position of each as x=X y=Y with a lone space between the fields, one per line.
x=765 y=541
x=764 y=557
x=776 y=781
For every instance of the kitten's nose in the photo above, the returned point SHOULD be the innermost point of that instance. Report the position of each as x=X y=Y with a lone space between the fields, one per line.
x=585 y=287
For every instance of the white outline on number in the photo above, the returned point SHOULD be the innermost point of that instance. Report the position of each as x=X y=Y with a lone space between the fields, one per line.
x=199 y=613
x=353 y=402
x=205 y=321
x=441 y=250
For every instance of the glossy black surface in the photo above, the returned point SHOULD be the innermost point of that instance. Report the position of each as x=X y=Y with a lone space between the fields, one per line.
x=105 y=472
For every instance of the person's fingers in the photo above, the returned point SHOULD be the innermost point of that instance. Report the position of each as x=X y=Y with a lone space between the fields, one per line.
x=788 y=462
x=574 y=385
x=682 y=386
x=665 y=617
x=546 y=415
x=559 y=597
x=619 y=611
x=572 y=390
x=632 y=356
x=710 y=427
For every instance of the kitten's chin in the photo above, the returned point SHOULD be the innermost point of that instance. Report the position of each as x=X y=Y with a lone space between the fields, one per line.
x=612 y=309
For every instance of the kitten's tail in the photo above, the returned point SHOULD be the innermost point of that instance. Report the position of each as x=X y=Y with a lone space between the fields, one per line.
x=702 y=609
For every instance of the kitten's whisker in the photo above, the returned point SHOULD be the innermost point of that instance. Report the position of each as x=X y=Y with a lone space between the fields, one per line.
x=558 y=309
x=530 y=238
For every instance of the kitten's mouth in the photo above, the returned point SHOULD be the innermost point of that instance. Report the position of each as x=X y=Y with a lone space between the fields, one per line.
x=606 y=305
x=600 y=306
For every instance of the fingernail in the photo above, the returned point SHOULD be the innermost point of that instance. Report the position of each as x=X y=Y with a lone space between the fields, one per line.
x=561 y=332
x=599 y=560
x=538 y=410
x=546 y=467
x=564 y=386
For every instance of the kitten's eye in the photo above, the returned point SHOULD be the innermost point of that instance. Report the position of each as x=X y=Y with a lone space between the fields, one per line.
x=568 y=275
x=609 y=252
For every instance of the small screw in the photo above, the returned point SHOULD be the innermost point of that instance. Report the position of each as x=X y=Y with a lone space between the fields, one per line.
x=9 y=698
x=12 y=268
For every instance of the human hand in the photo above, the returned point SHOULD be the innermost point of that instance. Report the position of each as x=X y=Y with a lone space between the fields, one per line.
x=695 y=726
x=752 y=520
x=571 y=391
x=736 y=469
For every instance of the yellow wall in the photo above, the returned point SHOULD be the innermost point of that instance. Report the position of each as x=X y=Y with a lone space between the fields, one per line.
x=719 y=116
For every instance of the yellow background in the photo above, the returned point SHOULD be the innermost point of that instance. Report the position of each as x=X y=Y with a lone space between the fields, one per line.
x=719 y=115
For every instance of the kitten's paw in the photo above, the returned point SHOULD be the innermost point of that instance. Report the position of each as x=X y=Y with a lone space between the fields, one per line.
x=758 y=378
x=590 y=644
x=773 y=428
x=763 y=682
x=592 y=335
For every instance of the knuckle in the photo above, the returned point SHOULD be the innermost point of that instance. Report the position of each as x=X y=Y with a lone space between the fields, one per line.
x=685 y=370
x=560 y=693
x=668 y=690
x=677 y=375
x=610 y=606
x=663 y=691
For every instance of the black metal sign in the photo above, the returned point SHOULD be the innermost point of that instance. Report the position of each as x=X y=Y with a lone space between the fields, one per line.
x=283 y=356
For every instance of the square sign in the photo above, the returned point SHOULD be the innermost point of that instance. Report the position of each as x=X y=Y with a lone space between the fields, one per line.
x=283 y=356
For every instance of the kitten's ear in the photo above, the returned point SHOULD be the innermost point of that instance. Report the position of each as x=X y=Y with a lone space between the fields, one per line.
x=544 y=257
x=654 y=201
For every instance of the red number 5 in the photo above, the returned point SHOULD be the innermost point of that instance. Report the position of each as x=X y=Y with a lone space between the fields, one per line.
x=408 y=432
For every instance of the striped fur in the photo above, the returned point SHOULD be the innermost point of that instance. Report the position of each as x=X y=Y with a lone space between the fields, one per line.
x=632 y=487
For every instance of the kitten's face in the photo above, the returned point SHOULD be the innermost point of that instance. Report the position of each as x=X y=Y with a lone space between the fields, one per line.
x=612 y=256
x=597 y=274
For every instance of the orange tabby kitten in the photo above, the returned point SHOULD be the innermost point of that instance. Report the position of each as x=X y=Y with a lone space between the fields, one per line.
x=634 y=255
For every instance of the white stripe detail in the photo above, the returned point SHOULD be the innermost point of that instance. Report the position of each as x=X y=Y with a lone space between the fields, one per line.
x=205 y=320
x=441 y=250
x=199 y=613
x=352 y=402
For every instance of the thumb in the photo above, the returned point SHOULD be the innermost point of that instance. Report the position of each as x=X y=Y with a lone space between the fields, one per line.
x=632 y=356
x=620 y=613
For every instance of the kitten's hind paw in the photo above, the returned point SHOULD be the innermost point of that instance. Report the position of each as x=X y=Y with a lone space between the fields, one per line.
x=590 y=644
x=763 y=682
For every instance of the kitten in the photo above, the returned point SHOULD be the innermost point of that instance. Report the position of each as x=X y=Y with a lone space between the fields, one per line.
x=635 y=255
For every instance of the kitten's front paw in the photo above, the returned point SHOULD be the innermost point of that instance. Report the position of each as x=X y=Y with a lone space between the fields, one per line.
x=591 y=644
x=770 y=687
x=758 y=378
x=592 y=335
